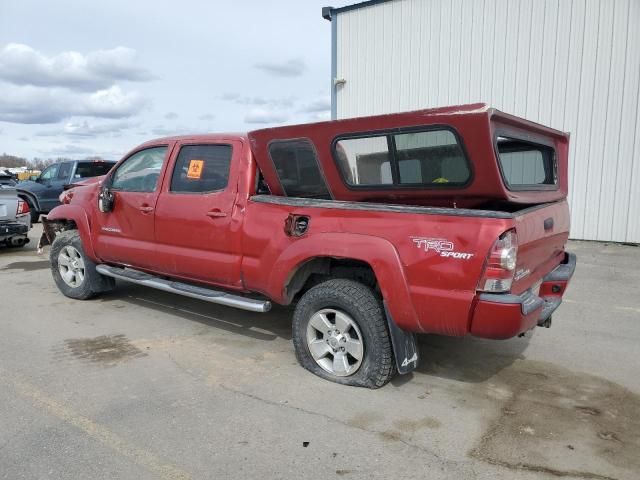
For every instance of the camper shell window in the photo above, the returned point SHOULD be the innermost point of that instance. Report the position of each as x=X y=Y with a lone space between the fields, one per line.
x=433 y=158
x=526 y=165
x=297 y=167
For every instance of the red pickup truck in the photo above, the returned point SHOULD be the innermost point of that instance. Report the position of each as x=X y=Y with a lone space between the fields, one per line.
x=450 y=221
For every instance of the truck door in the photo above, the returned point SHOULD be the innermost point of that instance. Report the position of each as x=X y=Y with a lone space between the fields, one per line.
x=194 y=222
x=49 y=185
x=125 y=235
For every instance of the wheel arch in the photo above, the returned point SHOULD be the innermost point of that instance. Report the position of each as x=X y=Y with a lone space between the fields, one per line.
x=316 y=269
x=30 y=198
x=291 y=270
x=64 y=214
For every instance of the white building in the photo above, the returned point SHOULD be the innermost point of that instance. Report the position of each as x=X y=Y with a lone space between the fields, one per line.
x=570 y=64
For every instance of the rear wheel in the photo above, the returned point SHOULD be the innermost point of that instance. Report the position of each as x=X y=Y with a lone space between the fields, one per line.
x=340 y=334
x=74 y=273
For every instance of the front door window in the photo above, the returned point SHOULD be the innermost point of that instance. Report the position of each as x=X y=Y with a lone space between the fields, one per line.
x=140 y=172
x=49 y=173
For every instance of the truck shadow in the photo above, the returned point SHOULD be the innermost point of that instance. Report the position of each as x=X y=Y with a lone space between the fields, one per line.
x=468 y=359
x=260 y=326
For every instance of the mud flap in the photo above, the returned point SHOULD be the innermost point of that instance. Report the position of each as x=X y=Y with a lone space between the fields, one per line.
x=405 y=346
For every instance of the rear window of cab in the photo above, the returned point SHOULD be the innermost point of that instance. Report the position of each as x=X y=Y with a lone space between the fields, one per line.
x=431 y=158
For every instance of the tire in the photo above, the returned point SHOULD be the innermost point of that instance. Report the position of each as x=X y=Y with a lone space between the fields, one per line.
x=343 y=302
x=67 y=255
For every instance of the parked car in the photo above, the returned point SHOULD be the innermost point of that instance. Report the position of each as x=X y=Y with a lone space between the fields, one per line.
x=7 y=178
x=15 y=219
x=41 y=192
x=450 y=221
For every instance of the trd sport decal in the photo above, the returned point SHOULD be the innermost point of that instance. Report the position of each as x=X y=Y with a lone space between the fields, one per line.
x=442 y=246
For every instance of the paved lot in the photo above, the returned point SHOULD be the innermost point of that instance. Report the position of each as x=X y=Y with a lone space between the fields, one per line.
x=143 y=384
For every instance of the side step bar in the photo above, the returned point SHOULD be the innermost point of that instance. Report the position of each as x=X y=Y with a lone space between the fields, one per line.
x=201 y=293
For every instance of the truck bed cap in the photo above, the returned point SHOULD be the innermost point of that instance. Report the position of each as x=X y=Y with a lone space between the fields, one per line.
x=477 y=126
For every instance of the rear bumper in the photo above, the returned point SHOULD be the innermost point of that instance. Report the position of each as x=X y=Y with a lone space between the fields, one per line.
x=502 y=315
x=24 y=219
x=9 y=229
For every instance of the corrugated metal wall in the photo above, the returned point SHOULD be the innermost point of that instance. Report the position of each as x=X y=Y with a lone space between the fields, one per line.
x=570 y=64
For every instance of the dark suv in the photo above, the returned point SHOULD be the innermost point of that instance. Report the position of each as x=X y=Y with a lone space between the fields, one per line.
x=42 y=192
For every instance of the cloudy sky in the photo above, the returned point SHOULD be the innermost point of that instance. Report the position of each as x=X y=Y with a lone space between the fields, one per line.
x=82 y=78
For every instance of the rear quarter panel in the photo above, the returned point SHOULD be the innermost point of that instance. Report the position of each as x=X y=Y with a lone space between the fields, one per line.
x=425 y=291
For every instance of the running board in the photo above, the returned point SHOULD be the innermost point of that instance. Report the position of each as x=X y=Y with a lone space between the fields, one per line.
x=201 y=293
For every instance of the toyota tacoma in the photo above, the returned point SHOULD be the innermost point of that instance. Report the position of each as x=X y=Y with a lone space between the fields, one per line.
x=450 y=221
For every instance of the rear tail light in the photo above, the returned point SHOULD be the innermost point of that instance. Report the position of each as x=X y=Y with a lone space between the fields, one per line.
x=23 y=207
x=500 y=265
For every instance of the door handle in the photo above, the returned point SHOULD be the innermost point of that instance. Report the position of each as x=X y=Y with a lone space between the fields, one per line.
x=145 y=208
x=216 y=214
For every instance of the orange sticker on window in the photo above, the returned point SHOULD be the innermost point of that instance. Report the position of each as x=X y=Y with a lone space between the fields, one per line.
x=195 y=169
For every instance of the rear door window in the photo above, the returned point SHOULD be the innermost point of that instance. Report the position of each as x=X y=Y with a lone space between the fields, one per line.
x=431 y=158
x=296 y=164
x=525 y=165
x=201 y=169
x=92 y=169
x=64 y=172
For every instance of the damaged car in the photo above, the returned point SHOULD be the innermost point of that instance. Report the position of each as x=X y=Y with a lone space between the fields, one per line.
x=451 y=221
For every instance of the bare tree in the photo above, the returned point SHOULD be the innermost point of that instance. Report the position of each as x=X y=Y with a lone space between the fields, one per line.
x=40 y=163
x=11 y=161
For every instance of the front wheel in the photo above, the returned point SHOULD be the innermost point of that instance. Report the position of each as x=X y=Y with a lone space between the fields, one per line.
x=74 y=273
x=340 y=333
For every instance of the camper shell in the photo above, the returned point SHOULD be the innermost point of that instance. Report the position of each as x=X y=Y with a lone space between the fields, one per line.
x=499 y=161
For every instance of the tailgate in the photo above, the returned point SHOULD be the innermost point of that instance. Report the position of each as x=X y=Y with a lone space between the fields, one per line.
x=8 y=203
x=542 y=234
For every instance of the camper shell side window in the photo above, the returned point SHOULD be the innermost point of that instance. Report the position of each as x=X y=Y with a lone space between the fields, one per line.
x=405 y=158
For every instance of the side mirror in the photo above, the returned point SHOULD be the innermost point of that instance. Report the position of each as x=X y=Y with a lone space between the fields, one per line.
x=106 y=200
